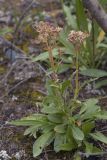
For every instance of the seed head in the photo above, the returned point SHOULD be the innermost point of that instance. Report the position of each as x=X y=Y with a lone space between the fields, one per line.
x=47 y=31
x=77 y=38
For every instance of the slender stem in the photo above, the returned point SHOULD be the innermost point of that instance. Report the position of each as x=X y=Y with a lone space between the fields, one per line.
x=93 y=42
x=77 y=77
x=51 y=59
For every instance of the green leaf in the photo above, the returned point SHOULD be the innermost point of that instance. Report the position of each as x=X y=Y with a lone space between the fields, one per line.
x=100 y=84
x=94 y=73
x=103 y=2
x=91 y=149
x=69 y=49
x=67 y=147
x=81 y=17
x=41 y=142
x=44 y=56
x=51 y=109
x=32 y=129
x=70 y=138
x=63 y=67
x=101 y=115
x=65 y=85
x=77 y=133
x=56 y=118
x=60 y=128
x=36 y=117
x=69 y=134
x=89 y=103
x=24 y=123
x=48 y=127
x=71 y=20
x=87 y=127
x=99 y=136
x=30 y=120
x=60 y=139
x=89 y=109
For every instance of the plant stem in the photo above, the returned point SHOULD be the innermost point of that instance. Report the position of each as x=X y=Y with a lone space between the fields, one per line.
x=51 y=59
x=77 y=77
x=93 y=41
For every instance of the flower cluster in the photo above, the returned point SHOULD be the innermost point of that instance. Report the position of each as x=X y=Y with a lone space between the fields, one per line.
x=77 y=37
x=47 y=31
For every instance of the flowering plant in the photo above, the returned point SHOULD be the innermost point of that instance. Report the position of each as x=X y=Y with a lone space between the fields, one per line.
x=64 y=120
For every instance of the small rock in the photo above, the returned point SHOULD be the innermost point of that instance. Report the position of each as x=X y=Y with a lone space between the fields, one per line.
x=14 y=98
x=4 y=155
x=19 y=155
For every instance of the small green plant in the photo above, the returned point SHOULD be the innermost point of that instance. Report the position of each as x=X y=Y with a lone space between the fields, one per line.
x=64 y=120
x=77 y=18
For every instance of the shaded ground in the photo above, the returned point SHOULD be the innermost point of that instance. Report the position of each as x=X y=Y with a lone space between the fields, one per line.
x=21 y=81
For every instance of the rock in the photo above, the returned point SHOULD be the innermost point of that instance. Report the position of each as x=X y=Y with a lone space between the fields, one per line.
x=4 y=155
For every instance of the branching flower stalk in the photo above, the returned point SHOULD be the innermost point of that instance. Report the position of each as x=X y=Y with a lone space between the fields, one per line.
x=48 y=34
x=77 y=39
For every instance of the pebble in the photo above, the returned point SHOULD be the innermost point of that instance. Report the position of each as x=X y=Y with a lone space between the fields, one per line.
x=4 y=155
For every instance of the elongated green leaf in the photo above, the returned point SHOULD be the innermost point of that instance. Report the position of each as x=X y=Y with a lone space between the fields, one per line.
x=60 y=128
x=63 y=67
x=24 y=123
x=89 y=109
x=32 y=129
x=48 y=127
x=71 y=20
x=103 y=2
x=81 y=17
x=56 y=118
x=102 y=45
x=87 y=127
x=67 y=146
x=77 y=133
x=65 y=85
x=36 y=117
x=30 y=120
x=41 y=142
x=94 y=73
x=50 y=109
x=101 y=115
x=89 y=103
x=69 y=49
x=60 y=139
x=99 y=136
x=44 y=56
x=101 y=83
x=71 y=143
x=90 y=148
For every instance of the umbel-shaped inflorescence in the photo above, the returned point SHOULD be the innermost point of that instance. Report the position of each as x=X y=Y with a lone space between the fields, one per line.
x=47 y=32
x=77 y=37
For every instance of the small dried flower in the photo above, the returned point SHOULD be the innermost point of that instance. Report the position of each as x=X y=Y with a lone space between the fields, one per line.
x=47 y=31
x=77 y=37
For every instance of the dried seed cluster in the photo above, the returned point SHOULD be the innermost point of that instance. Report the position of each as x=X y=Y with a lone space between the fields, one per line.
x=77 y=37
x=47 y=31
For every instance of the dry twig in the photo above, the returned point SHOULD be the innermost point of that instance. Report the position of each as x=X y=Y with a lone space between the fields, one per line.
x=97 y=12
